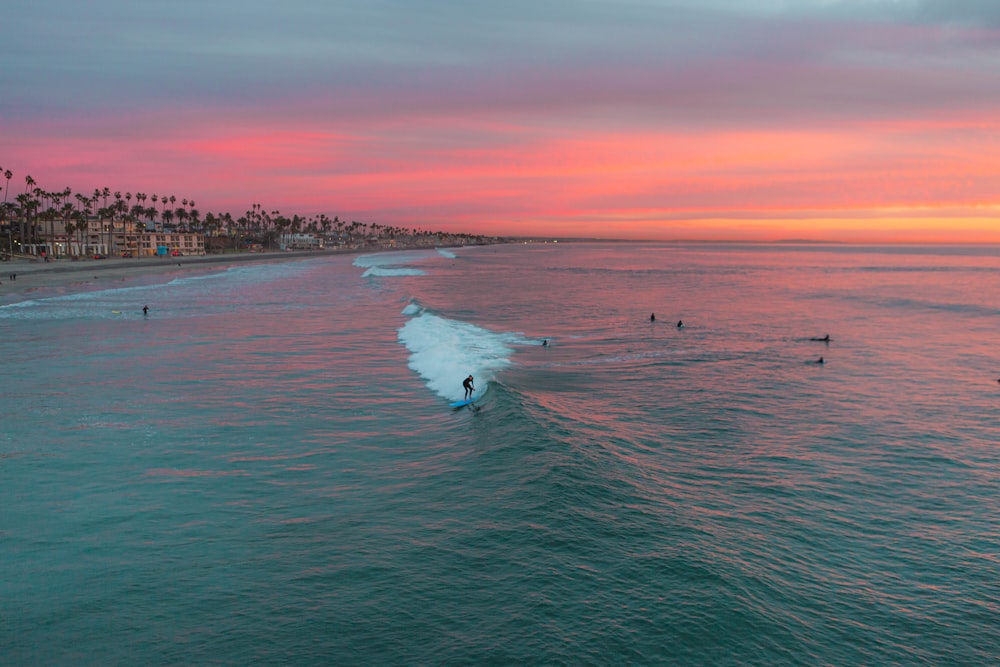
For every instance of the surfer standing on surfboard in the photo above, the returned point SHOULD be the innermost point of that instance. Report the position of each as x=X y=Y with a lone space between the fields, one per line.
x=467 y=383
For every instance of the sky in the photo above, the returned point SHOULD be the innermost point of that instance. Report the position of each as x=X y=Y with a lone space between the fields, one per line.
x=829 y=120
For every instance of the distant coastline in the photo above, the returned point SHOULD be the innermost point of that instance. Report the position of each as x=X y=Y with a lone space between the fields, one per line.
x=35 y=275
x=533 y=239
x=745 y=242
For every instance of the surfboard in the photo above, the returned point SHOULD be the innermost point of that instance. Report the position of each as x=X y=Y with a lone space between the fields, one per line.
x=461 y=404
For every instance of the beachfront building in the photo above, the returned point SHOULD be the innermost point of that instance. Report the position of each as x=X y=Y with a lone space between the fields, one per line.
x=300 y=242
x=173 y=243
x=110 y=239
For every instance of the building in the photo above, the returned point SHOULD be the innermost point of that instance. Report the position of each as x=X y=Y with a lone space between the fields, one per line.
x=111 y=238
x=300 y=242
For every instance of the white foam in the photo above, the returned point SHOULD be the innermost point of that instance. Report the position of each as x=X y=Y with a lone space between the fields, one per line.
x=446 y=253
x=380 y=272
x=20 y=304
x=444 y=352
x=99 y=303
x=394 y=258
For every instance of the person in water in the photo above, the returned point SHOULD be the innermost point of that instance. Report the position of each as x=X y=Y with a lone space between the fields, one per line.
x=145 y=310
x=467 y=383
x=820 y=360
x=680 y=324
x=824 y=339
x=652 y=317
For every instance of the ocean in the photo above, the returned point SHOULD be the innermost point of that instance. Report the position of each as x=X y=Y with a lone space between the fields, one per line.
x=265 y=470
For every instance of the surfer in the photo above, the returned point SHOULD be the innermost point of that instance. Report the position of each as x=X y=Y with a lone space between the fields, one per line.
x=545 y=343
x=467 y=383
x=652 y=317
x=820 y=360
x=145 y=310
x=824 y=339
x=680 y=324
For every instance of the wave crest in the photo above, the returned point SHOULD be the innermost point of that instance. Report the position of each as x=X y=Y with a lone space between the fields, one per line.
x=443 y=351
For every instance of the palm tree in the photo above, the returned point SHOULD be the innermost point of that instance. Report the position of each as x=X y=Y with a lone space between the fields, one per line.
x=68 y=223
x=40 y=197
x=181 y=214
x=49 y=215
x=211 y=225
x=241 y=222
x=195 y=217
x=67 y=216
x=8 y=174
x=140 y=202
x=137 y=212
x=24 y=199
x=82 y=227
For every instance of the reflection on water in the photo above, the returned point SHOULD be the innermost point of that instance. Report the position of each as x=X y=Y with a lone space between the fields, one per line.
x=261 y=472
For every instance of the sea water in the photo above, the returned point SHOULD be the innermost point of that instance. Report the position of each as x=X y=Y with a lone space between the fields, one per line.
x=266 y=470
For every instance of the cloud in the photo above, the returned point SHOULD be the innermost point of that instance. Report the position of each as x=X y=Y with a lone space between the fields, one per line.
x=399 y=58
x=984 y=13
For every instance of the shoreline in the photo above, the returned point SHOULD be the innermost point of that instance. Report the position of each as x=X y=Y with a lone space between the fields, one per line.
x=40 y=276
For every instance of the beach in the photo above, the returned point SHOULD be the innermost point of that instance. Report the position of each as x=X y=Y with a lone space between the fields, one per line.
x=36 y=274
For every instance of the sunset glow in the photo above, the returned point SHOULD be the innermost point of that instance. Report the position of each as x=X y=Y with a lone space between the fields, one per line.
x=645 y=120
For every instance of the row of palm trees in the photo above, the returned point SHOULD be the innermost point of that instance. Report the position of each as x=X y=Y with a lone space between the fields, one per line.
x=36 y=210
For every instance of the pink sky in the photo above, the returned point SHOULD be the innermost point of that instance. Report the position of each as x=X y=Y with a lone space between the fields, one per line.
x=715 y=120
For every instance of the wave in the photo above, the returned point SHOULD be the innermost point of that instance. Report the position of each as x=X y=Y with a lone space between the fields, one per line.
x=379 y=272
x=28 y=303
x=444 y=351
x=97 y=300
x=915 y=304
x=403 y=257
x=446 y=253
x=102 y=303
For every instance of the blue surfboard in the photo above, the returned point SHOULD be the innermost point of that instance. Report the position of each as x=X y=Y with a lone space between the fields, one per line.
x=461 y=404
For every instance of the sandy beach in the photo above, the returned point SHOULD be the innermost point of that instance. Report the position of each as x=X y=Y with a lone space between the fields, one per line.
x=37 y=275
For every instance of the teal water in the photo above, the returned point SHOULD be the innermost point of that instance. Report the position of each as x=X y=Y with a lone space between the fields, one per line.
x=266 y=470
